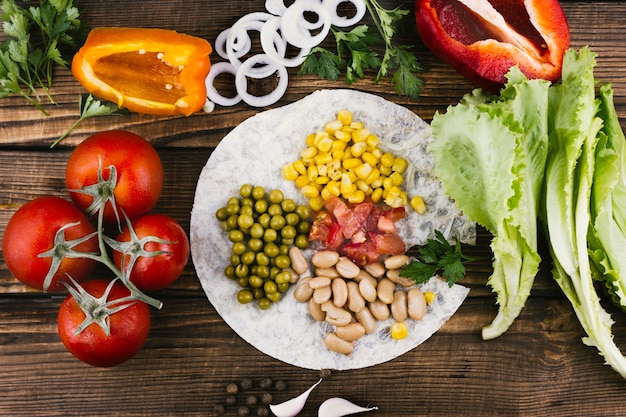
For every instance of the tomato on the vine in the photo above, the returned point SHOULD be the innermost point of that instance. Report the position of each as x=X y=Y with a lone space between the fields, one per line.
x=169 y=245
x=128 y=327
x=39 y=237
x=136 y=185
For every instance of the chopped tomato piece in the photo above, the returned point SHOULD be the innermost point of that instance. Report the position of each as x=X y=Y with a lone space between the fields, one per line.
x=361 y=253
x=387 y=243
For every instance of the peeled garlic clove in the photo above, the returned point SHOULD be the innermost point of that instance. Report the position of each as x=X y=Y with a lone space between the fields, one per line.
x=292 y=407
x=338 y=407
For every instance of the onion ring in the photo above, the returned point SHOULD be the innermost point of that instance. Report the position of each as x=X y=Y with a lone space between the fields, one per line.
x=342 y=21
x=212 y=93
x=268 y=34
x=295 y=33
x=241 y=83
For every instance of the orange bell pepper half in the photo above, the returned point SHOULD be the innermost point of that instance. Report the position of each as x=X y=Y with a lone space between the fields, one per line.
x=149 y=71
x=483 y=39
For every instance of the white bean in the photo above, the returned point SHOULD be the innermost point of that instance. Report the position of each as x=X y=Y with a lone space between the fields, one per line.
x=319 y=282
x=322 y=294
x=399 y=306
x=350 y=332
x=368 y=290
x=356 y=302
x=303 y=290
x=416 y=303
x=394 y=275
x=298 y=261
x=347 y=268
x=375 y=269
x=315 y=310
x=385 y=290
x=340 y=292
x=327 y=272
x=396 y=261
x=367 y=320
x=325 y=259
x=337 y=344
x=379 y=310
x=335 y=315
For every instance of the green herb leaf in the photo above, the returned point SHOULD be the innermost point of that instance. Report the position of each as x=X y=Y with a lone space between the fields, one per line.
x=438 y=256
x=322 y=62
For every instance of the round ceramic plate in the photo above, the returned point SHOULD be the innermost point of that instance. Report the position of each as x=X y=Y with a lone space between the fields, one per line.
x=255 y=152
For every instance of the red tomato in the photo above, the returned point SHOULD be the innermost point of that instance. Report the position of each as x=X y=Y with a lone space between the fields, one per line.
x=129 y=327
x=31 y=231
x=138 y=166
x=151 y=273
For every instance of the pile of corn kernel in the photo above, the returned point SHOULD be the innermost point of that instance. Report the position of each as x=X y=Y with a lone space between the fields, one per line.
x=344 y=160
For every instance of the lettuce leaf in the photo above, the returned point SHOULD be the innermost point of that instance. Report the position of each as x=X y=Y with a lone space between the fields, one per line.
x=490 y=155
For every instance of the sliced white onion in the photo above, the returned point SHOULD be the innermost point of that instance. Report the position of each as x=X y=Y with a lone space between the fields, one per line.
x=243 y=47
x=342 y=21
x=298 y=34
x=292 y=407
x=268 y=43
x=276 y=7
x=246 y=70
x=239 y=33
x=212 y=93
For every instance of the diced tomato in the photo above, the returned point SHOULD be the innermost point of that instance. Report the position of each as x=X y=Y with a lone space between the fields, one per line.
x=346 y=218
x=361 y=253
x=395 y=214
x=386 y=225
x=335 y=236
x=388 y=243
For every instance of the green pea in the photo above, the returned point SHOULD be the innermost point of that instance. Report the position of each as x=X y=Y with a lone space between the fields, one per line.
x=244 y=296
x=233 y=201
x=263 y=271
x=277 y=222
x=231 y=222
x=241 y=270
x=270 y=287
x=264 y=220
x=245 y=190
x=245 y=221
x=276 y=196
x=255 y=281
x=283 y=250
x=302 y=241
x=288 y=232
x=235 y=260
x=256 y=231
x=283 y=287
x=283 y=278
x=286 y=242
x=270 y=235
x=235 y=236
x=248 y=258
x=242 y=282
x=275 y=296
x=247 y=210
x=239 y=248
x=221 y=214
x=271 y=250
x=292 y=219
x=229 y=271
x=258 y=192
x=232 y=208
x=258 y=293
x=288 y=205
x=262 y=259
x=282 y=262
x=264 y=303
x=304 y=212
x=260 y=206
x=274 y=271
x=255 y=245
x=275 y=210
x=247 y=202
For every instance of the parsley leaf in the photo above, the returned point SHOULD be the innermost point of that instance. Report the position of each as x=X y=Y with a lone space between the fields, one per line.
x=322 y=62
x=438 y=256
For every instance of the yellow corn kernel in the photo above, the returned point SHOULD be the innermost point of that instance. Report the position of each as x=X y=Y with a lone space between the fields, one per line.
x=377 y=183
x=333 y=126
x=325 y=143
x=289 y=172
x=352 y=176
x=345 y=117
x=387 y=183
x=312 y=173
x=395 y=197
x=302 y=180
x=429 y=296
x=325 y=193
x=377 y=152
x=333 y=188
x=372 y=141
x=337 y=153
x=417 y=203
x=338 y=145
x=376 y=195
x=358 y=149
x=343 y=135
x=316 y=203
x=373 y=176
x=363 y=170
x=308 y=153
x=310 y=191
x=399 y=330
x=396 y=178
x=322 y=158
x=300 y=167
x=321 y=180
x=385 y=170
x=347 y=187
x=363 y=186
x=322 y=170
x=335 y=175
x=351 y=163
x=356 y=125
x=400 y=165
x=387 y=159
x=370 y=158
x=347 y=153
x=360 y=135
x=356 y=197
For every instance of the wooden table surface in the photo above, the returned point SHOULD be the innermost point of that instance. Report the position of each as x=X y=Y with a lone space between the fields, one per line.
x=539 y=367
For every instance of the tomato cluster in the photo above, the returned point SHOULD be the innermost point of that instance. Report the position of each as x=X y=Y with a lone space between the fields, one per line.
x=114 y=179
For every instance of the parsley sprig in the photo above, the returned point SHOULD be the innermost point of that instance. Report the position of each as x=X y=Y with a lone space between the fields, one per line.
x=354 y=53
x=438 y=256
x=38 y=38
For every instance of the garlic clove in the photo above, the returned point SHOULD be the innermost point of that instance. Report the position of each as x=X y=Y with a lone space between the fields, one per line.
x=338 y=407
x=292 y=407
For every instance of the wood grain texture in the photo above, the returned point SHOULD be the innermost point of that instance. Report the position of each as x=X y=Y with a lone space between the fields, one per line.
x=540 y=367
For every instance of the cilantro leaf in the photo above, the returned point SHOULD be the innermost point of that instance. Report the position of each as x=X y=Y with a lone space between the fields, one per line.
x=438 y=256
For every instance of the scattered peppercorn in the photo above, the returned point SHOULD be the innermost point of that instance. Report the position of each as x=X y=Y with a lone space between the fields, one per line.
x=232 y=389
x=265 y=383
x=262 y=412
x=249 y=397
x=243 y=411
x=266 y=398
x=280 y=386
x=246 y=383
